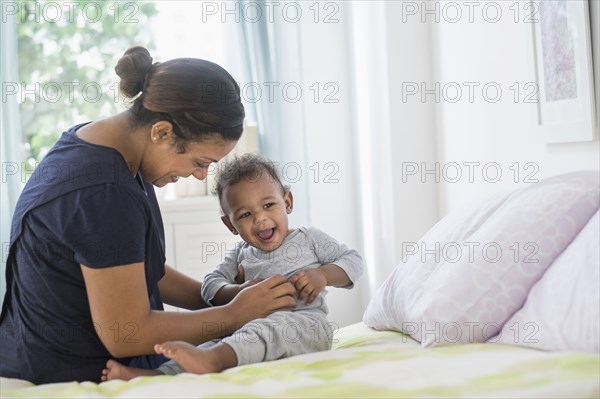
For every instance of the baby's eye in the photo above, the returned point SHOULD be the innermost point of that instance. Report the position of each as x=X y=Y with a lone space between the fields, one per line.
x=267 y=206
x=244 y=215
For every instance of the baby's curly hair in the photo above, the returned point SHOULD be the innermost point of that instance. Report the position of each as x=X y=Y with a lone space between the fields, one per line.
x=246 y=167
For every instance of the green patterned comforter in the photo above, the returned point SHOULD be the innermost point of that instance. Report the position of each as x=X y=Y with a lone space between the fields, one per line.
x=364 y=363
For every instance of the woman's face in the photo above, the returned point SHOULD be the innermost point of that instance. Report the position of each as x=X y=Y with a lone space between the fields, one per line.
x=166 y=165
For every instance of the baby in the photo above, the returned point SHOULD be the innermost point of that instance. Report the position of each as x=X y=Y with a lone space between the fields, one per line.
x=256 y=206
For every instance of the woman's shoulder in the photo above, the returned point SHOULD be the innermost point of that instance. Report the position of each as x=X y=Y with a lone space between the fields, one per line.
x=72 y=165
x=71 y=157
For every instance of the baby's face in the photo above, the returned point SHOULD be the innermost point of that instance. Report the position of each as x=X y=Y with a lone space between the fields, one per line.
x=258 y=210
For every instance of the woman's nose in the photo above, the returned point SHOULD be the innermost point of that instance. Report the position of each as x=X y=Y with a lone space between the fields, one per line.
x=200 y=174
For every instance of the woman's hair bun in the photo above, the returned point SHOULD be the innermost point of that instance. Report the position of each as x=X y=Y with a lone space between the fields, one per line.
x=132 y=68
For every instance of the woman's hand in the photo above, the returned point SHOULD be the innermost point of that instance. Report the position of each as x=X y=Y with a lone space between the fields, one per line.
x=263 y=298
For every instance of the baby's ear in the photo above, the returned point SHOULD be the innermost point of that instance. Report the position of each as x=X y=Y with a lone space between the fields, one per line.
x=229 y=225
x=288 y=198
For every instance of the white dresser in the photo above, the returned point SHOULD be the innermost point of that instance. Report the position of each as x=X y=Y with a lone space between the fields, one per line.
x=196 y=239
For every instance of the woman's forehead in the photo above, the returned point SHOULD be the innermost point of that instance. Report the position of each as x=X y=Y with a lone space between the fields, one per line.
x=213 y=149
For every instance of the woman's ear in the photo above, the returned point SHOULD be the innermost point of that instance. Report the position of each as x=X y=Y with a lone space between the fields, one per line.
x=288 y=198
x=161 y=130
x=229 y=225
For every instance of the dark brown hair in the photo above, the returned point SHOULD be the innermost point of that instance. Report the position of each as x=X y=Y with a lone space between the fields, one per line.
x=198 y=97
x=246 y=167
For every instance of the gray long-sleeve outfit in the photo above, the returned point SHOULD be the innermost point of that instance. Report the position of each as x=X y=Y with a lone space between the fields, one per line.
x=282 y=334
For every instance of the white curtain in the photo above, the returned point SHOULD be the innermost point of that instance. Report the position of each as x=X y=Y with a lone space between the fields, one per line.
x=272 y=57
x=313 y=50
x=10 y=135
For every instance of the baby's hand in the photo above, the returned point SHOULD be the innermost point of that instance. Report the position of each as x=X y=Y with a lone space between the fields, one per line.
x=309 y=283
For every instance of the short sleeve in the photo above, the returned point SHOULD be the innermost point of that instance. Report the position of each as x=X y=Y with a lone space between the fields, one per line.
x=108 y=228
x=222 y=275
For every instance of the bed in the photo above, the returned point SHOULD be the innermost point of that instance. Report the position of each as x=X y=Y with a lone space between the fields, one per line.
x=526 y=324
x=364 y=363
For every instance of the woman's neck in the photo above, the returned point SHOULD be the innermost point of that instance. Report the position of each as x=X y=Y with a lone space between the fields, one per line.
x=116 y=132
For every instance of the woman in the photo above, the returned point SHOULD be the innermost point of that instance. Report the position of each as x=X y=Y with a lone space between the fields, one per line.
x=86 y=273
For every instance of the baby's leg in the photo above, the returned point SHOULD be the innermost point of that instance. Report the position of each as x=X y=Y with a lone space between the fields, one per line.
x=280 y=335
x=199 y=360
x=117 y=371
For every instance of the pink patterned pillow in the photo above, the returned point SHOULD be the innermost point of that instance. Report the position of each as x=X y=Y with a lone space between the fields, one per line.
x=471 y=272
x=562 y=311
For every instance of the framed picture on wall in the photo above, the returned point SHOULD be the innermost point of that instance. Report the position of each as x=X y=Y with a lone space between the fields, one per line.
x=564 y=70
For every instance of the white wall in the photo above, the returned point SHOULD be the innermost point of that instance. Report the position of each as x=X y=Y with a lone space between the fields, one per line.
x=430 y=52
x=503 y=132
x=434 y=138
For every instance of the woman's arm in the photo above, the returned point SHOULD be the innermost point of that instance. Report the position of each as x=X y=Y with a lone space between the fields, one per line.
x=180 y=290
x=127 y=326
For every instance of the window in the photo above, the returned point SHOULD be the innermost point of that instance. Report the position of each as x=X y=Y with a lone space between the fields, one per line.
x=67 y=52
x=66 y=55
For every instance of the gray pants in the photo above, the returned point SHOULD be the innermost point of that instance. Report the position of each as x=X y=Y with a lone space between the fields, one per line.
x=282 y=334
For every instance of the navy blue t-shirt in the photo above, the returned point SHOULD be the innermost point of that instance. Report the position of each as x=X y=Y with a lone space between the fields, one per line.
x=81 y=206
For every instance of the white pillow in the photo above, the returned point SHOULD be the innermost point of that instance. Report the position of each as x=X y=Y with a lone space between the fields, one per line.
x=562 y=311
x=471 y=272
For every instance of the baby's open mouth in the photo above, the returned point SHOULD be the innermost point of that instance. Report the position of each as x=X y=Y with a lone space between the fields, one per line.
x=266 y=235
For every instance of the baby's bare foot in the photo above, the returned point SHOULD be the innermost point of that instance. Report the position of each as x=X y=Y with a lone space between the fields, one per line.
x=117 y=371
x=192 y=359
